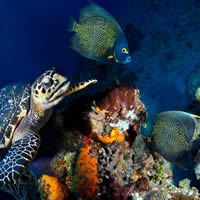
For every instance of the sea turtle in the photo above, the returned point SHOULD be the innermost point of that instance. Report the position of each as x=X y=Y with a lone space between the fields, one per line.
x=24 y=109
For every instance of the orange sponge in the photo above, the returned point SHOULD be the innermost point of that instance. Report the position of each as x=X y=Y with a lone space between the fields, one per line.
x=51 y=189
x=114 y=136
x=85 y=179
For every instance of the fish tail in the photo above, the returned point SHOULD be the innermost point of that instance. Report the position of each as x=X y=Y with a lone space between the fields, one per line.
x=72 y=25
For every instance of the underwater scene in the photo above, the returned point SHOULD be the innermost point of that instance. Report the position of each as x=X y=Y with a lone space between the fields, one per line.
x=100 y=100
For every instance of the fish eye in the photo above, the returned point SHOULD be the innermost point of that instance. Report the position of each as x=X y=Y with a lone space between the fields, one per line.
x=144 y=125
x=124 y=50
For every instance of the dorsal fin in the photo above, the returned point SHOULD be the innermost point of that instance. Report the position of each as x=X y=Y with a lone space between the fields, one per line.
x=94 y=10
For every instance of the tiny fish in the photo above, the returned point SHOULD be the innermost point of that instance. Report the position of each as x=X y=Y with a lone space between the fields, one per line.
x=98 y=36
x=171 y=135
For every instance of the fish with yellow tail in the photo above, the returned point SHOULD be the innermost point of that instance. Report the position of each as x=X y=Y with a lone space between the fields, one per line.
x=98 y=36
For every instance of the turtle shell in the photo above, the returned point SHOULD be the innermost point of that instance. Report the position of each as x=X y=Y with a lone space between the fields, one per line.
x=14 y=105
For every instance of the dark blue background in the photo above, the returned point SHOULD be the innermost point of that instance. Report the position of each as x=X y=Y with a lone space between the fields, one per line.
x=33 y=38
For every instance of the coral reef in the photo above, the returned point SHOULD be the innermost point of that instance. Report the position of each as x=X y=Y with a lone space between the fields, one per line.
x=112 y=161
x=51 y=189
x=123 y=171
x=112 y=116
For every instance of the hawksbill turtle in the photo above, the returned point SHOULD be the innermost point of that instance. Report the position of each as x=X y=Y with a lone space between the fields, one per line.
x=24 y=110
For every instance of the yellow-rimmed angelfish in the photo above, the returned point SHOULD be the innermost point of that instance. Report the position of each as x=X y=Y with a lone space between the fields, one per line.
x=171 y=135
x=98 y=36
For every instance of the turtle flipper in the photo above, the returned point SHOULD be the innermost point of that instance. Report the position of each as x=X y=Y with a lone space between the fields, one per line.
x=80 y=86
x=19 y=155
x=24 y=188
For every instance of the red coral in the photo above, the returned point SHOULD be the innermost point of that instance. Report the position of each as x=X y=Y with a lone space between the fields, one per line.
x=119 y=192
x=120 y=96
x=142 y=184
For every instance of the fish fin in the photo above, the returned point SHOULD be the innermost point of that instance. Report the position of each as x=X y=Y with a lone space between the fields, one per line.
x=195 y=147
x=73 y=43
x=110 y=57
x=92 y=10
x=189 y=134
x=184 y=161
x=195 y=116
x=197 y=157
x=72 y=25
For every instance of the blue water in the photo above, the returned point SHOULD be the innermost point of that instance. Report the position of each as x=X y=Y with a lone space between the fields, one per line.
x=33 y=38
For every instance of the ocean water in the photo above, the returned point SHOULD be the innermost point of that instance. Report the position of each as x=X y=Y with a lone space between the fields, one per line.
x=163 y=37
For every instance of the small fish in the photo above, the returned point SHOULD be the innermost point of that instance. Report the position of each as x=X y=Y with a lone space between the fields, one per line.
x=171 y=135
x=98 y=36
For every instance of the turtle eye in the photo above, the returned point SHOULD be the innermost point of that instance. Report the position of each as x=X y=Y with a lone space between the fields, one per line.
x=47 y=82
x=124 y=50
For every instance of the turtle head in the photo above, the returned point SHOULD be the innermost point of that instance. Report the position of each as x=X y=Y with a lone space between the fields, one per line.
x=49 y=89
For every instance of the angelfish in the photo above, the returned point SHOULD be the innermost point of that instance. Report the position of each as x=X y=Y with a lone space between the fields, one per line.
x=98 y=36
x=171 y=134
